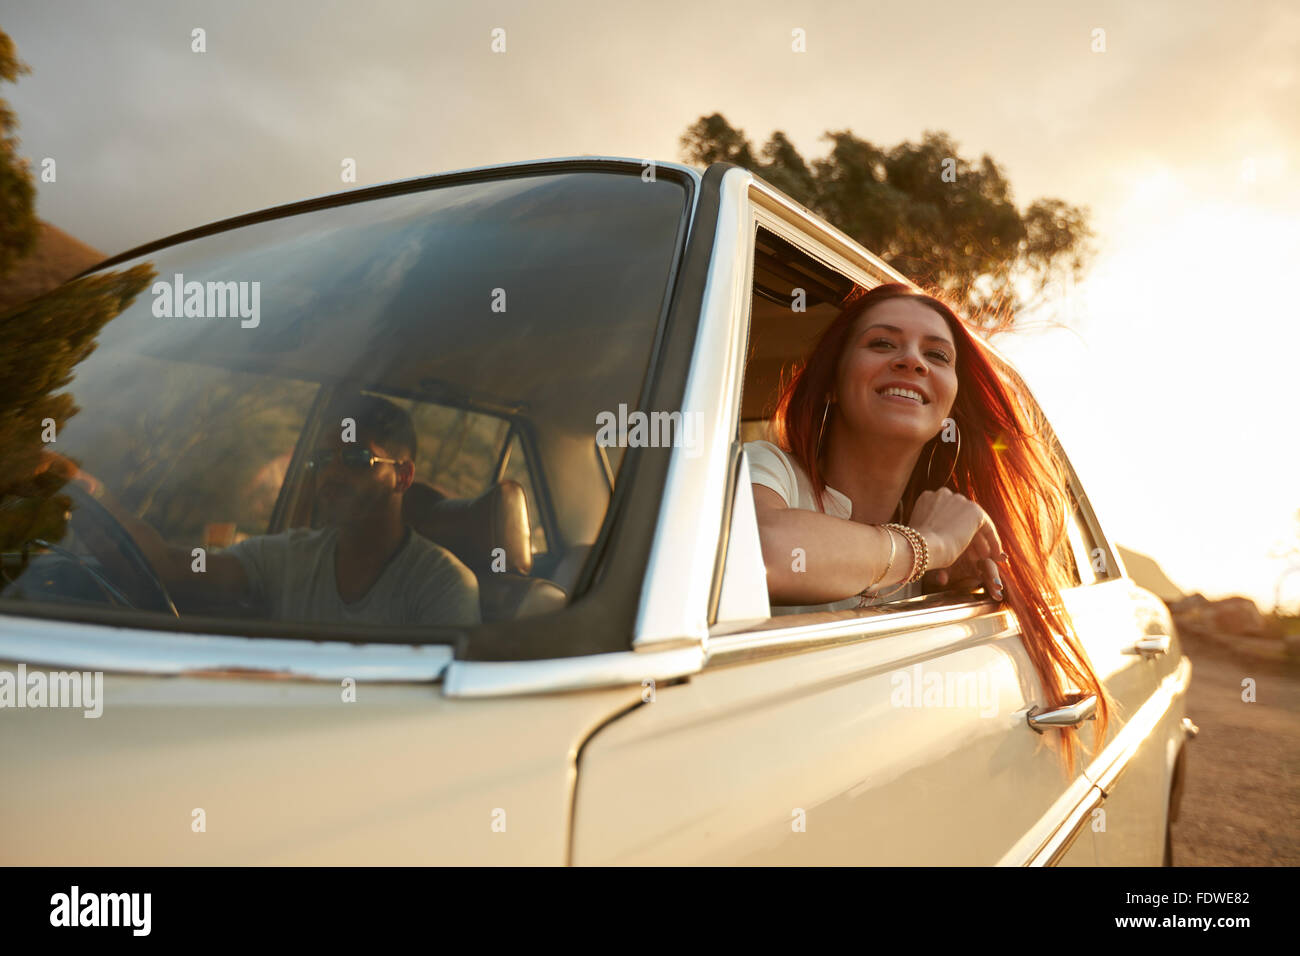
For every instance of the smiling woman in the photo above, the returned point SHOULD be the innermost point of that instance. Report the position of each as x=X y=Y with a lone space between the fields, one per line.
x=901 y=409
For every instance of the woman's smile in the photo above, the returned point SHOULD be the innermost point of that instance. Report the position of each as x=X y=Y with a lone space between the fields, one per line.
x=902 y=393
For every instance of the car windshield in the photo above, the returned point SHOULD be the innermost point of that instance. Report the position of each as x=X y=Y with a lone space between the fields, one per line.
x=380 y=414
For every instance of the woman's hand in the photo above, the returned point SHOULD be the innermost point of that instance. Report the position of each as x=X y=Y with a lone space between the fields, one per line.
x=967 y=575
x=964 y=546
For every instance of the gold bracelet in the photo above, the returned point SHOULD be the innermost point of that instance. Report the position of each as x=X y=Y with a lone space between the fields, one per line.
x=869 y=591
x=920 y=551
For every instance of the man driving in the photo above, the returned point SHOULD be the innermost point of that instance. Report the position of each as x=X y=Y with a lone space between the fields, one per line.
x=364 y=566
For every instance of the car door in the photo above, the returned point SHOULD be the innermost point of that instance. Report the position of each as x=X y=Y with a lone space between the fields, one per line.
x=221 y=751
x=889 y=736
x=1130 y=638
x=895 y=737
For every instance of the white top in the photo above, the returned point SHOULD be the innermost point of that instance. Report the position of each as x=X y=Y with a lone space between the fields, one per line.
x=424 y=583
x=772 y=468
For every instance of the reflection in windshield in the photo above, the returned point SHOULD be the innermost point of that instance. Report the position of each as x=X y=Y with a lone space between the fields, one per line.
x=43 y=341
x=378 y=413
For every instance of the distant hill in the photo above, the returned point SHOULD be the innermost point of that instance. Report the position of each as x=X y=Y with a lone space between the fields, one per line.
x=56 y=258
x=1146 y=573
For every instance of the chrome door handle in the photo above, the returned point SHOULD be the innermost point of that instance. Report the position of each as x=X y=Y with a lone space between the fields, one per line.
x=1071 y=715
x=1152 y=646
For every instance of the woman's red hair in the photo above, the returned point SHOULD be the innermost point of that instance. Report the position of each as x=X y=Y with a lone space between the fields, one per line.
x=1007 y=463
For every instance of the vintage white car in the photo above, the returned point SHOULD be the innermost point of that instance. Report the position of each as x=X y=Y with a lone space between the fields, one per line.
x=629 y=697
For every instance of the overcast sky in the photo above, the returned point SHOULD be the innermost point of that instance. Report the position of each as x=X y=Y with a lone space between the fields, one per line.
x=1176 y=391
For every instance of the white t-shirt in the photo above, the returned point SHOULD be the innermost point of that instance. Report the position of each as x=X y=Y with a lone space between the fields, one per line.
x=772 y=468
x=423 y=585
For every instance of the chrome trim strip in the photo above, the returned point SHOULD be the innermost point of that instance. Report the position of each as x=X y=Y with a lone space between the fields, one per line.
x=1114 y=760
x=1052 y=835
x=79 y=646
x=1058 y=844
x=776 y=640
x=507 y=678
x=679 y=574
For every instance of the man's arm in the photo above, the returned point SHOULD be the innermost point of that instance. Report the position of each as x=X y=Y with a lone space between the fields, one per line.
x=224 y=577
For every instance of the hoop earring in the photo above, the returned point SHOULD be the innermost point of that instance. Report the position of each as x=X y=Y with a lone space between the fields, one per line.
x=822 y=431
x=951 y=470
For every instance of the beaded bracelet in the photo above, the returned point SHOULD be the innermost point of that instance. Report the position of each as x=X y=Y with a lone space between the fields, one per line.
x=920 y=555
x=920 y=551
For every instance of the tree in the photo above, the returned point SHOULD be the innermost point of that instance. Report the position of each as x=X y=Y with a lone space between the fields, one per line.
x=947 y=223
x=18 y=224
x=41 y=344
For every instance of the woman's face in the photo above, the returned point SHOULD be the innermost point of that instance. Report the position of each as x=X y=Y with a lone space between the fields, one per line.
x=898 y=373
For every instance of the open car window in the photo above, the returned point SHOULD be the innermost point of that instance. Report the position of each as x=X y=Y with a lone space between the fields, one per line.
x=794 y=297
x=191 y=382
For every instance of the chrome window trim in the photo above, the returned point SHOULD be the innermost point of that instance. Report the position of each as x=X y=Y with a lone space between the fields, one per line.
x=741 y=590
x=947 y=627
x=590 y=672
x=793 y=222
x=1079 y=547
x=679 y=575
x=952 y=624
x=74 y=645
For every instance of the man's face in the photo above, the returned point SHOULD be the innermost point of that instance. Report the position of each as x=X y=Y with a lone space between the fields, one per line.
x=352 y=494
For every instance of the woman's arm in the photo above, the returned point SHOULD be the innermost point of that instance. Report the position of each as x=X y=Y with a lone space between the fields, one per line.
x=839 y=557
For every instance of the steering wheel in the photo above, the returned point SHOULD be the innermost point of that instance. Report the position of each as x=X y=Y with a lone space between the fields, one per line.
x=145 y=589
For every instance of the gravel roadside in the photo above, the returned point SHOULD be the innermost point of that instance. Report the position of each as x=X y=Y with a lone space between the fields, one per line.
x=1241 y=803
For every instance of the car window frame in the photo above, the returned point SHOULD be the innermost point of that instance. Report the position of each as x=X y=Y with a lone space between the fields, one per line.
x=1090 y=534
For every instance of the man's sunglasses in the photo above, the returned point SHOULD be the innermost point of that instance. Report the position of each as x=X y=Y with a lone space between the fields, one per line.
x=356 y=458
